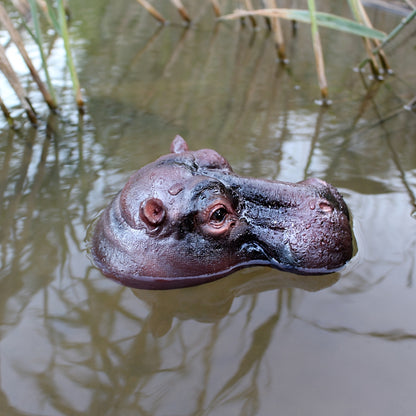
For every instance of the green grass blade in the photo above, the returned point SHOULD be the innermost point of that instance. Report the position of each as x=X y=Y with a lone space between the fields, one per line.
x=39 y=42
x=354 y=9
x=396 y=30
x=53 y=17
x=64 y=32
x=391 y=35
x=18 y=41
x=328 y=20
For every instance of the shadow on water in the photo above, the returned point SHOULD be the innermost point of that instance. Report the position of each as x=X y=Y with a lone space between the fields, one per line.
x=74 y=342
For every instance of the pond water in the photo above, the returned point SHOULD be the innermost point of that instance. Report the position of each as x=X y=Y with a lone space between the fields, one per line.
x=260 y=341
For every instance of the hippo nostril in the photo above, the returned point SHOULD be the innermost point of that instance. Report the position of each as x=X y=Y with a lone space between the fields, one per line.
x=326 y=207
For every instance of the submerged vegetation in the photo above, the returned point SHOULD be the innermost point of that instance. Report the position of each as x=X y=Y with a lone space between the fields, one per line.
x=34 y=12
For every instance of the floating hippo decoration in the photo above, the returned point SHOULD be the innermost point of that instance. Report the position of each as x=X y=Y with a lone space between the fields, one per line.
x=188 y=219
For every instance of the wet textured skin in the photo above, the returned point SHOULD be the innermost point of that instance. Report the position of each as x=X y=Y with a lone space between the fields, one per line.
x=187 y=219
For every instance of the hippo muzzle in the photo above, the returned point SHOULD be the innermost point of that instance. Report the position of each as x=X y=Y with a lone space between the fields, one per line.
x=187 y=219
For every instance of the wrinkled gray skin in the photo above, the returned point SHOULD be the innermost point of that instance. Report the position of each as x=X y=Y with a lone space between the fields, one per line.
x=187 y=219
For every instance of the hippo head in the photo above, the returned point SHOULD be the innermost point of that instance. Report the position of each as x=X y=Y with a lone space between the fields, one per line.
x=187 y=219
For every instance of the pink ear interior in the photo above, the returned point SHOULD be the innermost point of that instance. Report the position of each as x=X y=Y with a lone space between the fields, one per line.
x=178 y=145
x=152 y=212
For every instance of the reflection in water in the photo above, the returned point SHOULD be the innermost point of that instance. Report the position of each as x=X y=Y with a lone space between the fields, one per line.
x=73 y=342
x=211 y=302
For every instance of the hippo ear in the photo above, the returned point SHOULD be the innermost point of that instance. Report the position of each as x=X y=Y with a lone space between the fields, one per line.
x=152 y=212
x=178 y=145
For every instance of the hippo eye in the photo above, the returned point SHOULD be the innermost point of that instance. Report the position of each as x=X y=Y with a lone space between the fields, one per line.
x=218 y=215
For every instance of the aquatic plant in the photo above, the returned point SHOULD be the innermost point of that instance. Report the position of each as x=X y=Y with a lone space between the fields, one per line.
x=361 y=26
x=374 y=40
x=57 y=16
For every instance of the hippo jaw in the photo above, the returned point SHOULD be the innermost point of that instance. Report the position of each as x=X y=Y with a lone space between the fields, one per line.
x=187 y=219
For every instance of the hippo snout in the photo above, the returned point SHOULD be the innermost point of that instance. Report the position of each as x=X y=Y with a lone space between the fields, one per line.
x=302 y=227
x=187 y=219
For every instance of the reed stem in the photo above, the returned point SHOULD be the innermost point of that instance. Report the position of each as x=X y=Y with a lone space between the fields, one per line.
x=21 y=93
x=216 y=8
x=357 y=12
x=249 y=6
x=277 y=32
x=16 y=38
x=152 y=11
x=391 y=36
x=317 y=47
x=6 y=113
x=39 y=41
x=64 y=33
x=182 y=11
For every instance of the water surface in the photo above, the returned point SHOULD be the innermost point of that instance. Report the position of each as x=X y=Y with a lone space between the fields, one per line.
x=254 y=343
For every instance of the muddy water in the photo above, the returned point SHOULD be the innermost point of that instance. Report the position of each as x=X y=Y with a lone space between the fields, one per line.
x=259 y=342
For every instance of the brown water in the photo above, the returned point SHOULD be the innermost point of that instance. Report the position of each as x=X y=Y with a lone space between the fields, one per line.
x=259 y=342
